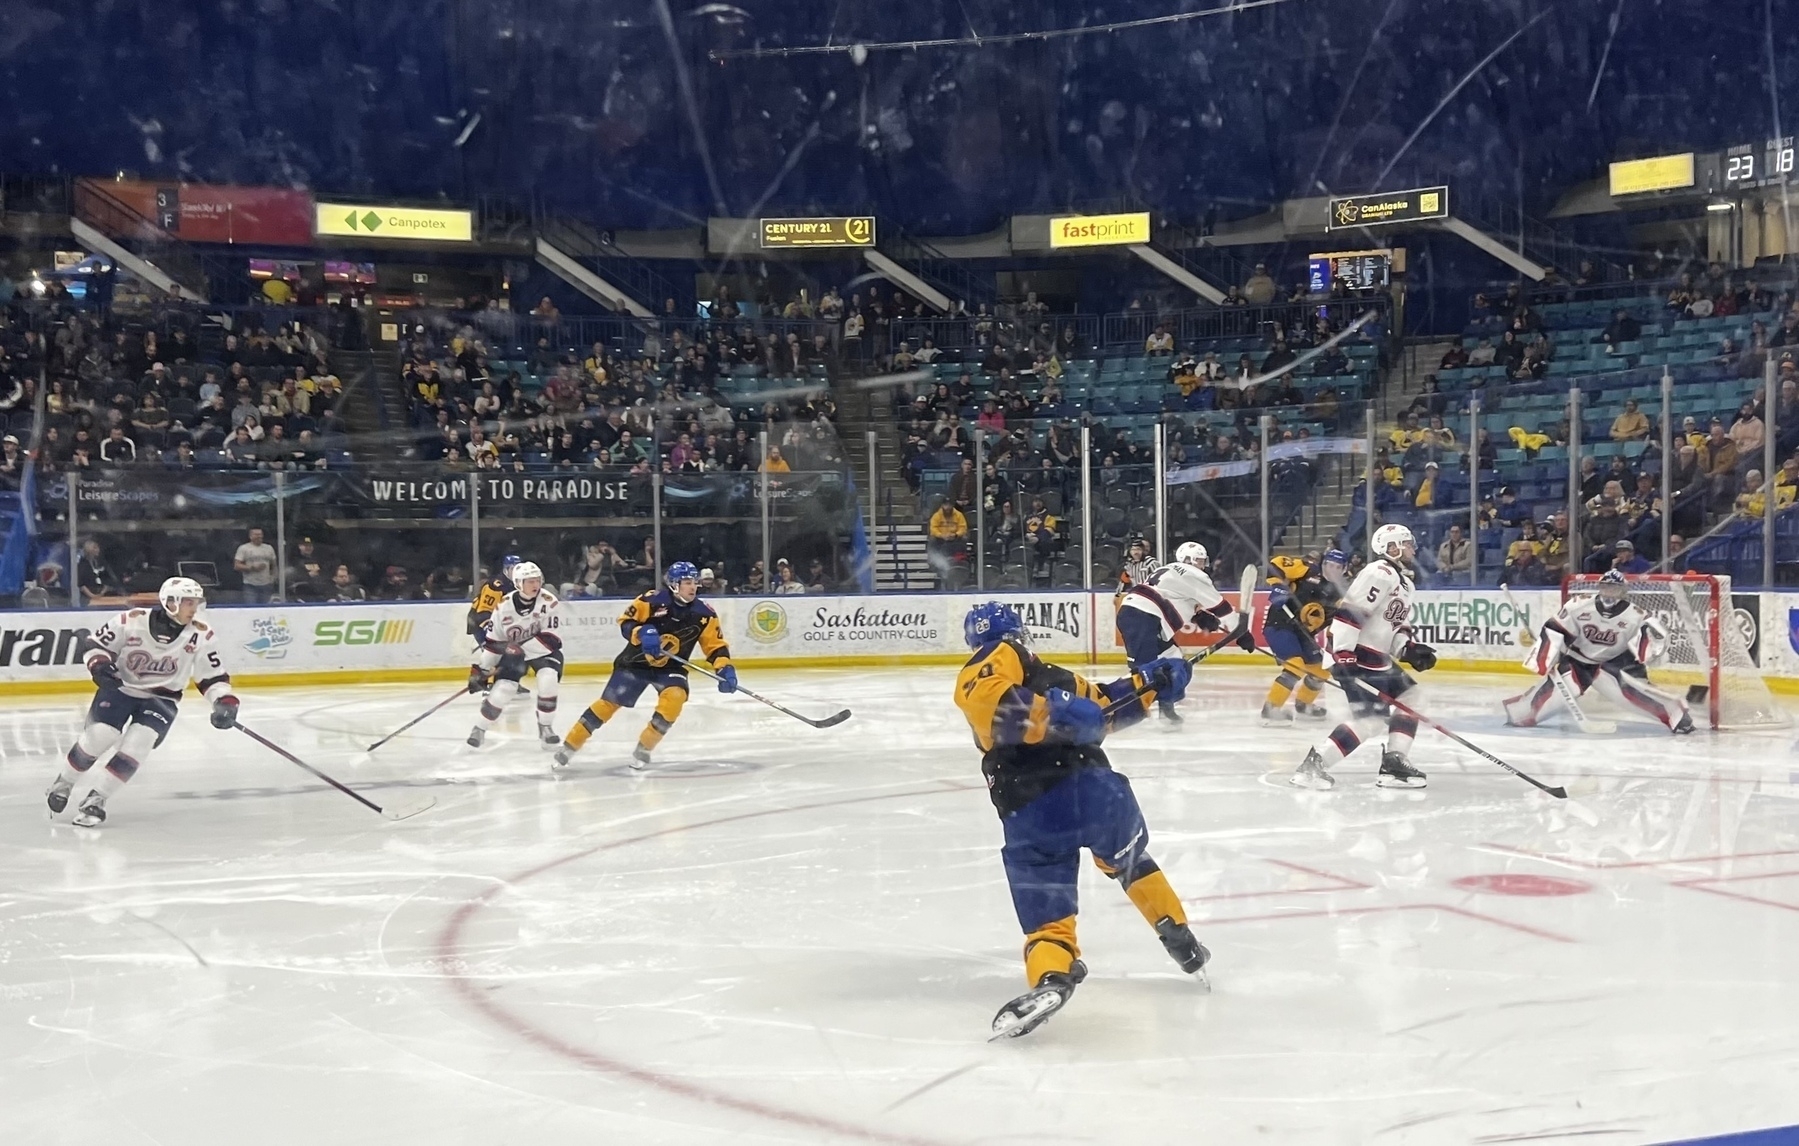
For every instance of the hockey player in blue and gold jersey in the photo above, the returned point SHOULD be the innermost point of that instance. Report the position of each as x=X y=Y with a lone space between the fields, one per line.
x=655 y=624
x=1039 y=728
x=1302 y=598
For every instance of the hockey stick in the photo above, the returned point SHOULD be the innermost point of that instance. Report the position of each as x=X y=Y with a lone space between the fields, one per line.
x=434 y=708
x=391 y=812
x=1246 y=591
x=1558 y=792
x=831 y=721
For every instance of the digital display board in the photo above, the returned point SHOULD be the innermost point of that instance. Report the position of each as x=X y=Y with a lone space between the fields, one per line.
x=1356 y=270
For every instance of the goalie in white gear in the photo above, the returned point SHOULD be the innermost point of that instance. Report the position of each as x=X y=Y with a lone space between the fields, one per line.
x=1369 y=639
x=519 y=635
x=1606 y=641
x=141 y=660
x=1173 y=597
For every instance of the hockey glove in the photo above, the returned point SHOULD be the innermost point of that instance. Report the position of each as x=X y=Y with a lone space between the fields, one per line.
x=727 y=679
x=1421 y=657
x=477 y=680
x=1075 y=719
x=224 y=712
x=650 y=637
x=1169 y=677
x=104 y=672
x=1244 y=639
x=1346 y=658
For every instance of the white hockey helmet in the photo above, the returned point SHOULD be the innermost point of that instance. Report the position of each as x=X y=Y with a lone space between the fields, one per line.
x=525 y=571
x=1191 y=553
x=178 y=589
x=1387 y=537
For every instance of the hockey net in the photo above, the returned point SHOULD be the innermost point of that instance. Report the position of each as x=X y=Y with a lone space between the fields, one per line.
x=1705 y=645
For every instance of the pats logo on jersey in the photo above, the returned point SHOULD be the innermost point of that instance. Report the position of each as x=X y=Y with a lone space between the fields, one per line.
x=271 y=640
x=767 y=622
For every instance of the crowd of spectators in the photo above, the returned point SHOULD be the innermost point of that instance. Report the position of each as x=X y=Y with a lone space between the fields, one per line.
x=166 y=389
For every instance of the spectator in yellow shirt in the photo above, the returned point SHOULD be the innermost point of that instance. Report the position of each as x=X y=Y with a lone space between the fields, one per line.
x=774 y=463
x=1427 y=489
x=947 y=546
x=1630 y=426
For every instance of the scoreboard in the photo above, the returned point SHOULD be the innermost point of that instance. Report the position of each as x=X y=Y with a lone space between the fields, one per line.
x=1757 y=164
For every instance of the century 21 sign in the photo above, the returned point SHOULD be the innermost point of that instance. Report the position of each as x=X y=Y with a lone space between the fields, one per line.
x=848 y=231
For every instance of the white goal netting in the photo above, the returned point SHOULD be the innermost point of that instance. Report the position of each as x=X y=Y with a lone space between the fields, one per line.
x=1706 y=646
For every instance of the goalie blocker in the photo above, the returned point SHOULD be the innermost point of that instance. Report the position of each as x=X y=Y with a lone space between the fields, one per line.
x=1603 y=641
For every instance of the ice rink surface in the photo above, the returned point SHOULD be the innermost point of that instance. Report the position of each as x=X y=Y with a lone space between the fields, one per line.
x=782 y=935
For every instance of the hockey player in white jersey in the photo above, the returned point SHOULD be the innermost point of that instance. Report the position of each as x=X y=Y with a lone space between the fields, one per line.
x=141 y=661
x=519 y=635
x=1173 y=597
x=1604 y=641
x=1368 y=636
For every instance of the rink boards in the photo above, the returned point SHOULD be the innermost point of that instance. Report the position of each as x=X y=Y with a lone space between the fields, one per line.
x=1475 y=629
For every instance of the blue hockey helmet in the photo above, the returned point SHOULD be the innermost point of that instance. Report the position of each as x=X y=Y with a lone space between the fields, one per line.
x=507 y=562
x=1336 y=558
x=989 y=621
x=682 y=571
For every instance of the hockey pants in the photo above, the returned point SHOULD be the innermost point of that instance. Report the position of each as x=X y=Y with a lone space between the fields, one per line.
x=1094 y=809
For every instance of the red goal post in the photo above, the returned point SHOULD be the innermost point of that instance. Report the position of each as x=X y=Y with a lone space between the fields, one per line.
x=1705 y=646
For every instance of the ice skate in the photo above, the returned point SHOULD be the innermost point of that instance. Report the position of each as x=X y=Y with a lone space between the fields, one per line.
x=1183 y=948
x=1396 y=773
x=1276 y=715
x=1685 y=727
x=1311 y=711
x=1032 y=1009
x=640 y=758
x=548 y=738
x=1311 y=774
x=57 y=796
x=1171 y=720
x=563 y=755
x=92 y=813
x=476 y=736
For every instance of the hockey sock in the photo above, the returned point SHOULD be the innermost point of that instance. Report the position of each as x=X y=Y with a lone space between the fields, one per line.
x=668 y=710
x=1342 y=741
x=598 y=713
x=1401 y=731
x=118 y=770
x=547 y=682
x=495 y=701
x=1155 y=899
x=1051 y=947
x=1313 y=685
x=76 y=764
x=1282 y=688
